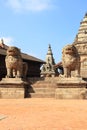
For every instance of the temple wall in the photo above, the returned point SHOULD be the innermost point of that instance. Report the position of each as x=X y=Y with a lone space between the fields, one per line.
x=83 y=69
x=11 y=92
x=71 y=93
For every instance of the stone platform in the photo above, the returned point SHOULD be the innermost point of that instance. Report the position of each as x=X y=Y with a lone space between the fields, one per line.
x=52 y=87
x=59 y=88
x=13 y=88
x=71 y=88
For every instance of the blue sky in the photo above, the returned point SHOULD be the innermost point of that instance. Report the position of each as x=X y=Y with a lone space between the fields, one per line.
x=32 y=25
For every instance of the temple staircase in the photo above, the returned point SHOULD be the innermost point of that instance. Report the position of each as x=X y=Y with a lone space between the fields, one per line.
x=42 y=88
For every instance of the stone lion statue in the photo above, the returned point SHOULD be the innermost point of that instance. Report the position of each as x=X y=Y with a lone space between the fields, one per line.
x=14 y=63
x=70 y=61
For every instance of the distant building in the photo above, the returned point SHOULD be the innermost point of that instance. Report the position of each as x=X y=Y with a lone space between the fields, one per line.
x=34 y=63
x=48 y=68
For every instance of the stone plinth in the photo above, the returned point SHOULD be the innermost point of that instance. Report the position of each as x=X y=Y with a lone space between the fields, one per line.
x=71 y=88
x=12 y=88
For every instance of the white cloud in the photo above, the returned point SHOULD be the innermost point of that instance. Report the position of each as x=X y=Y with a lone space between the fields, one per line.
x=8 y=40
x=29 y=5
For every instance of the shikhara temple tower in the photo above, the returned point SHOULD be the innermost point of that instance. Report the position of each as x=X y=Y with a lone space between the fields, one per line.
x=49 y=56
x=81 y=44
x=48 y=68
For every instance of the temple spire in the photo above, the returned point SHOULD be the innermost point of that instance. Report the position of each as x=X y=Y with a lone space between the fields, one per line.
x=48 y=68
x=2 y=43
x=49 y=56
x=49 y=50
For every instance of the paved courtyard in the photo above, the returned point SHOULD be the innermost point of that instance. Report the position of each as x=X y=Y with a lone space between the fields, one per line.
x=43 y=114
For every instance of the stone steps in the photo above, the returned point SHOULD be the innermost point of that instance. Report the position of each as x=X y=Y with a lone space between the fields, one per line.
x=41 y=92
x=42 y=88
x=42 y=95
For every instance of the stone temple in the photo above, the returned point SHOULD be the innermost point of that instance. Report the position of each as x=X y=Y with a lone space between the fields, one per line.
x=71 y=83
x=80 y=43
x=48 y=68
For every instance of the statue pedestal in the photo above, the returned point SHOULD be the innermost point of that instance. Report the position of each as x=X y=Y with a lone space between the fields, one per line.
x=71 y=88
x=13 y=88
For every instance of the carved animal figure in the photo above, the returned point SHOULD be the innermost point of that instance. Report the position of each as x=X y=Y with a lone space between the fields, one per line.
x=14 y=63
x=70 y=61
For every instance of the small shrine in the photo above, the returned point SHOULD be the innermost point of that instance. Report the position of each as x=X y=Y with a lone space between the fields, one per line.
x=48 y=68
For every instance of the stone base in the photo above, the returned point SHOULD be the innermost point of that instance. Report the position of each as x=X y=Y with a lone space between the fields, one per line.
x=71 y=93
x=12 y=88
x=59 y=88
x=71 y=88
x=52 y=87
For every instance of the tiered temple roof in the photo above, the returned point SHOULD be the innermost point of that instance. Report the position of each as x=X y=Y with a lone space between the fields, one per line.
x=81 y=37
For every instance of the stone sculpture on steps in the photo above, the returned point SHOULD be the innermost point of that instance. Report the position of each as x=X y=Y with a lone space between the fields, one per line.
x=14 y=64
x=70 y=61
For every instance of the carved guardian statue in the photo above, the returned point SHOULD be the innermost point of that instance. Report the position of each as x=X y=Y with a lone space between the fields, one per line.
x=14 y=63
x=70 y=61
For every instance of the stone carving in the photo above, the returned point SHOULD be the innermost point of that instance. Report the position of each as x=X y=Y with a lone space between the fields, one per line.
x=14 y=63
x=70 y=61
x=47 y=67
